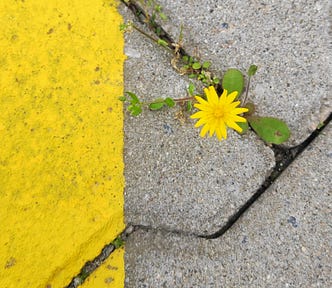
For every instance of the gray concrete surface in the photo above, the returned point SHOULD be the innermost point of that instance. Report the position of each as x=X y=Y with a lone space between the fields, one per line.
x=174 y=178
x=284 y=240
x=288 y=40
x=177 y=181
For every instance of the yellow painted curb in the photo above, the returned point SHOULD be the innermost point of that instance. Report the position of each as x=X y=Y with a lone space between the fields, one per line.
x=110 y=274
x=61 y=131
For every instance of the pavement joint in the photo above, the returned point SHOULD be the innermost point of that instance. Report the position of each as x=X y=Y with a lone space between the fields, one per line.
x=147 y=238
x=284 y=156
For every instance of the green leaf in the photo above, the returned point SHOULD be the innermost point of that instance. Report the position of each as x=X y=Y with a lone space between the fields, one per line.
x=123 y=27
x=196 y=65
x=252 y=70
x=158 y=31
x=233 y=81
x=191 y=88
x=201 y=76
x=206 y=65
x=192 y=75
x=216 y=80
x=271 y=130
x=189 y=106
x=185 y=58
x=156 y=105
x=162 y=42
x=244 y=126
x=163 y=16
x=134 y=110
x=169 y=102
x=251 y=107
x=117 y=242
x=122 y=98
x=134 y=98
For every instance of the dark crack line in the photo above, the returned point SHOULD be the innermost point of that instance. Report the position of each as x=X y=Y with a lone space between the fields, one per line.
x=135 y=227
x=284 y=157
x=91 y=266
x=144 y=18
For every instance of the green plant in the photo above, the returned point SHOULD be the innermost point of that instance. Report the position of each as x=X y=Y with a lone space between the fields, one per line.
x=270 y=130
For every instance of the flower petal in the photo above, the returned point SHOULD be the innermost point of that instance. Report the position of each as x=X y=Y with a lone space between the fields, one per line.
x=201 y=122
x=233 y=125
x=198 y=114
x=201 y=100
x=240 y=110
x=211 y=95
x=231 y=97
x=236 y=118
x=223 y=97
x=221 y=131
x=204 y=130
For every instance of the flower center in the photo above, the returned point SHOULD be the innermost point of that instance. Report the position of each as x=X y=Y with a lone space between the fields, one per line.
x=219 y=112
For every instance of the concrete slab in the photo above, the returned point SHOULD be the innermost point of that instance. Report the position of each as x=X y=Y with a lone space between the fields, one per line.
x=284 y=240
x=174 y=179
x=289 y=41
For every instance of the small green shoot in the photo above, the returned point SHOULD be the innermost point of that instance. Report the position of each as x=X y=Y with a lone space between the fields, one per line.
x=252 y=70
x=269 y=129
x=117 y=242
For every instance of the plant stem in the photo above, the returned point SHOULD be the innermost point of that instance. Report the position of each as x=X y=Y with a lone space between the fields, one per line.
x=184 y=99
x=151 y=38
x=247 y=91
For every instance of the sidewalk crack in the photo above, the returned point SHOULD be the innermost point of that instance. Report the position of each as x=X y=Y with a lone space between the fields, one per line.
x=283 y=156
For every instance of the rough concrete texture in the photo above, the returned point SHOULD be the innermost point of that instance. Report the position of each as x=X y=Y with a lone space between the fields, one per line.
x=288 y=40
x=284 y=239
x=175 y=179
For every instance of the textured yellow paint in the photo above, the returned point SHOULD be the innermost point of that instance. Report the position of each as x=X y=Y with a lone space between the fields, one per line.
x=61 y=131
x=110 y=274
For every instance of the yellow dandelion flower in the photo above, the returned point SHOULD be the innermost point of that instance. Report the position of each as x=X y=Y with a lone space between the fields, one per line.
x=216 y=113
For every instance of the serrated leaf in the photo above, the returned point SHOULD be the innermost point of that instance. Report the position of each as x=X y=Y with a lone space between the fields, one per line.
x=271 y=130
x=252 y=70
x=233 y=81
x=244 y=126
x=206 y=64
x=196 y=65
x=134 y=98
x=169 y=102
x=156 y=106
x=192 y=75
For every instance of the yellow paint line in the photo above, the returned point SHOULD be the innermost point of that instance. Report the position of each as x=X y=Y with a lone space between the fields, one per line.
x=61 y=131
x=110 y=274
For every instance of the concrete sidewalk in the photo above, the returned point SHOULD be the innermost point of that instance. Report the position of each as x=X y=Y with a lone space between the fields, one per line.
x=180 y=186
